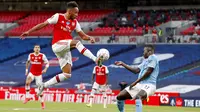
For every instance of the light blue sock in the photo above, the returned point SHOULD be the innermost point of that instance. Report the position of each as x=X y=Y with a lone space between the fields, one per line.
x=138 y=105
x=120 y=105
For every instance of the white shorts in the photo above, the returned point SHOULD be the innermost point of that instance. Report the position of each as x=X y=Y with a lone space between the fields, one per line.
x=38 y=79
x=99 y=87
x=148 y=88
x=63 y=53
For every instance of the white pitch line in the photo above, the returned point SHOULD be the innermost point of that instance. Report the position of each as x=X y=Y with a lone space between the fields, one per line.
x=36 y=109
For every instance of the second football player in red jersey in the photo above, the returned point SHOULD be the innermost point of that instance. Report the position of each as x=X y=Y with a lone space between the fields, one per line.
x=62 y=41
x=36 y=60
x=100 y=73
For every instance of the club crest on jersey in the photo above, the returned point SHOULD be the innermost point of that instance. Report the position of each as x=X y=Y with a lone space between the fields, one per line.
x=67 y=22
x=73 y=23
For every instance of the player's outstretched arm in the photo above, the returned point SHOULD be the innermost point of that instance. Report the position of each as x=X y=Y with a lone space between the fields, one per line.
x=33 y=29
x=134 y=70
x=146 y=75
x=86 y=37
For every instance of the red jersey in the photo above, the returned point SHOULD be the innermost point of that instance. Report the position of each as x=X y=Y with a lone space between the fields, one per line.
x=37 y=62
x=63 y=27
x=100 y=73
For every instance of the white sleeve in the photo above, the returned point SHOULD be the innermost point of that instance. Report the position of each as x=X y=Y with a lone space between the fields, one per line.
x=53 y=19
x=107 y=71
x=94 y=70
x=29 y=58
x=152 y=63
x=44 y=58
x=78 y=27
x=140 y=66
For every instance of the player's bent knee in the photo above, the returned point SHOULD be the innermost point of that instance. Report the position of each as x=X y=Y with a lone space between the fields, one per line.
x=73 y=43
x=67 y=75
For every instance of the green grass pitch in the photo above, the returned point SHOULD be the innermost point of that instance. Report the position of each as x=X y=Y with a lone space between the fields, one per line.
x=33 y=106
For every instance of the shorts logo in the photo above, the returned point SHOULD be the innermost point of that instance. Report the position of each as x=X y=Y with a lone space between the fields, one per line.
x=73 y=23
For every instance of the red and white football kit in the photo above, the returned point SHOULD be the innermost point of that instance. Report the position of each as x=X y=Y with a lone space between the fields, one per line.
x=101 y=77
x=62 y=37
x=37 y=62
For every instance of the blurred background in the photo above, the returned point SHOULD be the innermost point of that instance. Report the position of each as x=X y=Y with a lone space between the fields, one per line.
x=122 y=27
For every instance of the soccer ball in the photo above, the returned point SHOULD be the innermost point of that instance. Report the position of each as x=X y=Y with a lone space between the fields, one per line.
x=103 y=53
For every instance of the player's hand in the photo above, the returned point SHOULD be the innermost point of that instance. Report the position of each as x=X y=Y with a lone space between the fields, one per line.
x=22 y=36
x=44 y=71
x=92 y=40
x=26 y=72
x=119 y=63
x=132 y=85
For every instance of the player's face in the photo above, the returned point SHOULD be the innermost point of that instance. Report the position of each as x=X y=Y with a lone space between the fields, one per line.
x=146 y=52
x=73 y=13
x=37 y=49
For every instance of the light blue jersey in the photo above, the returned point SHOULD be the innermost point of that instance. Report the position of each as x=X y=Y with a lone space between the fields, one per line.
x=151 y=61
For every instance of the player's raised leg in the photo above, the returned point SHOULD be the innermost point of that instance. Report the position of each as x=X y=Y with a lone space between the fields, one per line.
x=83 y=50
x=66 y=73
x=29 y=79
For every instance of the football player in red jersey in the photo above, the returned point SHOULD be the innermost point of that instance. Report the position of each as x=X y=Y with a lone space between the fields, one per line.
x=62 y=41
x=36 y=60
x=100 y=73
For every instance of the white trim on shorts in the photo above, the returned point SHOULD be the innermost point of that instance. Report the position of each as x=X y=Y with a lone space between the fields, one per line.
x=98 y=86
x=148 y=88
x=63 y=53
x=38 y=79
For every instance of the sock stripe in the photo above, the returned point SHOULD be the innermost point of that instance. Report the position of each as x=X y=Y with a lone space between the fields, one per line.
x=83 y=50
x=57 y=78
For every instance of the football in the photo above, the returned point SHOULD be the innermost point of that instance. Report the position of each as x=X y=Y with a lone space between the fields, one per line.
x=103 y=53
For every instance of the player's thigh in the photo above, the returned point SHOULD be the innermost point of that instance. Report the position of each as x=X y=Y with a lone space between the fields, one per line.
x=103 y=87
x=61 y=46
x=149 y=89
x=38 y=80
x=73 y=43
x=133 y=91
x=66 y=68
x=30 y=77
x=124 y=95
x=95 y=86
x=65 y=61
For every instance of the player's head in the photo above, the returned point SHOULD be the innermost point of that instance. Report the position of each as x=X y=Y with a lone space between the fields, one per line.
x=100 y=62
x=148 y=50
x=72 y=10
x=36 y=48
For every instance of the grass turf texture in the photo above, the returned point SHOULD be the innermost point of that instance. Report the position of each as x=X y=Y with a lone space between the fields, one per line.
x=33 y=106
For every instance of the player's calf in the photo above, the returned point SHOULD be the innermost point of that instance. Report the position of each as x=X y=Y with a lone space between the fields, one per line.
x=104 y=99
x=91 y=97
x=27 y=96
x=82 y=49
x=27 y=86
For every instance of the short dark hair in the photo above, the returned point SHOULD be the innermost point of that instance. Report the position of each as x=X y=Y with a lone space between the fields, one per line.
x=150 y=46
x=71 y=4
x=36 y=45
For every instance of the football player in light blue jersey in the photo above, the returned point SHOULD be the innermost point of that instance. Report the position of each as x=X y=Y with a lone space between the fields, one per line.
x=145 y=85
